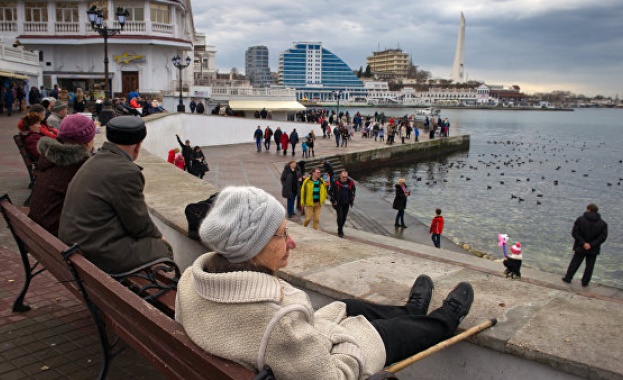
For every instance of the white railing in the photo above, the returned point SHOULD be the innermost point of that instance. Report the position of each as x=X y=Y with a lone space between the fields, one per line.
x=161 y=28
x=8 y=26
x=254 y=92
x=9 y=53
x=67 y=27
x=132 y=26
x=36 y=27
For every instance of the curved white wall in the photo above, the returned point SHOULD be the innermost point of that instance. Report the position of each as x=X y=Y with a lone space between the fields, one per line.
x=206 y=130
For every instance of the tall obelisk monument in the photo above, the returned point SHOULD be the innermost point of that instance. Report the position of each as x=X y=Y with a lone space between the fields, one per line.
x=457 y=75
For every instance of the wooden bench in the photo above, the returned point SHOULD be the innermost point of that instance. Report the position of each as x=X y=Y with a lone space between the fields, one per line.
x=117 y=310
x=29 y=161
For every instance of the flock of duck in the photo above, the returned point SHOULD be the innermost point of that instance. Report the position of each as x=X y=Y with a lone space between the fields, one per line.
x=518 y=164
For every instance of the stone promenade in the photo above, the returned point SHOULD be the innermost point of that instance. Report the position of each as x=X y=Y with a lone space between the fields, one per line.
x=563 y=331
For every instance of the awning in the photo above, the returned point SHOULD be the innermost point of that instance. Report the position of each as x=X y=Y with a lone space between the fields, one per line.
x=276 y=105
x=12 y=75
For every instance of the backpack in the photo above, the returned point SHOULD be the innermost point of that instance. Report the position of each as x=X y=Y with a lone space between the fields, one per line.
x=195 y=213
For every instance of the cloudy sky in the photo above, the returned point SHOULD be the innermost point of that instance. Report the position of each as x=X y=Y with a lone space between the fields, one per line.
x=541 y=45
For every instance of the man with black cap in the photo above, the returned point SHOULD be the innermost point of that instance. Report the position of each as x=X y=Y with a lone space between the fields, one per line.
x=105 y=210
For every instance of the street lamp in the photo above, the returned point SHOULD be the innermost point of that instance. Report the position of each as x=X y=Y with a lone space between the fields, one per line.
x=177 y=62
x=96 y=17
x=338 y=94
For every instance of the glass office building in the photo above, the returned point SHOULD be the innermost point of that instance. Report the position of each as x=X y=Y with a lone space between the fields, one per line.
x=256 y=66
x=317 y=74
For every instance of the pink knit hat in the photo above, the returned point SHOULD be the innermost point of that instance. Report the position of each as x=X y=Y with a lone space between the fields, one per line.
x=77 y=128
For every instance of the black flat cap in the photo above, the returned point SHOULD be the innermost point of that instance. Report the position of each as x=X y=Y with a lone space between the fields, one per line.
x=126 y=130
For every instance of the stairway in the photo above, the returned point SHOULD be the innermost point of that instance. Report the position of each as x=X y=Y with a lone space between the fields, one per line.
x=314 y=162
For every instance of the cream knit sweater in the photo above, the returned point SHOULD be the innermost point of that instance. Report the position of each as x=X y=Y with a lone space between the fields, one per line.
x=254 y=319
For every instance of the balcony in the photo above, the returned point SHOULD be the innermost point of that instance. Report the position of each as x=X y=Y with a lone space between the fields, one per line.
x=8 y=26
x=71 y=28
x=161 y=28
x=36 y=28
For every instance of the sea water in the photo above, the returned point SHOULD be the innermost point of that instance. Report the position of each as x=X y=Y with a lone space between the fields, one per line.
x=528 y=174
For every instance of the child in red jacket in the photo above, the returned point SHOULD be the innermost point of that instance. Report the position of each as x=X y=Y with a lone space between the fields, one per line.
x=436 y=228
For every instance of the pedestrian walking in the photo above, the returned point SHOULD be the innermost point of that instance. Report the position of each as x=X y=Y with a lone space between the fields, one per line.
x=313 y=195
x=290 y=178
x=400 y=202
x=268 y=136
x=294 y=139
x=342 y=198
x=285 y=141
x=589 y=233
x=258 y=138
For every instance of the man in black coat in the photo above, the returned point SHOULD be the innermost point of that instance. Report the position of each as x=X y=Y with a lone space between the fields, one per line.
x=187 y=152
x=294 y=139
x=342 y=198
x=277 y=136
x=589 y=232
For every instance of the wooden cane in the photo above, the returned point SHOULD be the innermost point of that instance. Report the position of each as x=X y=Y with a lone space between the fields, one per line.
x=440 y=346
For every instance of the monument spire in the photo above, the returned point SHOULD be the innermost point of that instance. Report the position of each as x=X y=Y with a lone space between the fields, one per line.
x=458 y=67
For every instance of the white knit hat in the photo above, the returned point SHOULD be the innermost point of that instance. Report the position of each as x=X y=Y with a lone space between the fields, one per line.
x=241 y=222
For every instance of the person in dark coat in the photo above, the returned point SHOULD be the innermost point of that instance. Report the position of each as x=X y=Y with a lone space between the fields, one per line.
x=199 y=165
x=105 y=210
x=9 y=98
x=187 y=152
x=277 y=137
x=34 y=96
x=294 y=139
x=342 y=198
x=59 y=161
x=589 y=233
x=193 y=105
x=200 y=108
x=291 y=179
x=400 y=202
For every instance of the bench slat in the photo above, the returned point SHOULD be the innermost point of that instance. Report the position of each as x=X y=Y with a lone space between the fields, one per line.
x=147 y=329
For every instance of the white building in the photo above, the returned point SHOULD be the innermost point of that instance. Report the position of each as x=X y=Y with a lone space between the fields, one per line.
x=18 y=65
x=71 y=54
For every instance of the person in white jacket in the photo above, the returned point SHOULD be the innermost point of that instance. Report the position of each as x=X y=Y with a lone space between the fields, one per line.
x=231 y=304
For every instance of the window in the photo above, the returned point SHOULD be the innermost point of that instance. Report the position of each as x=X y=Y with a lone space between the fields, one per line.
x=67 y=12
x=136 y=11
x=36 y=11
x=8 y=12
x=159 y=13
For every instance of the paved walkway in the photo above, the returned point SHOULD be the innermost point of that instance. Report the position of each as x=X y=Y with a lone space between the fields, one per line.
x=371 y=213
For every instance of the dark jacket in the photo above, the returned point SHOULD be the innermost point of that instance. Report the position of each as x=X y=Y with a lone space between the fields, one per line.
x=56 y=167
x=31 y=140
x=400 y=201
x=277 y=136
x=200 y=108
x=187 y=152
x=294 y=138
x=589 y=228
x=106 y=214
x=290 y=184
x=343 y=192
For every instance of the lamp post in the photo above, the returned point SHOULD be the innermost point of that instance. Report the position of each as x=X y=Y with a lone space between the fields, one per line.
x=177 y=62
x=96 y=17
x=338 y=94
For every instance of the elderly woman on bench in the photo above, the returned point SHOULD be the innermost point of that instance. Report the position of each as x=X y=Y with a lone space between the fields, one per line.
x=232 y=305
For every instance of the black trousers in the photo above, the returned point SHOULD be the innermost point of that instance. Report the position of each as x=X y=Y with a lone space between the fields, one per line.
x=342 y=213
x=404 y=333
x=575 y=263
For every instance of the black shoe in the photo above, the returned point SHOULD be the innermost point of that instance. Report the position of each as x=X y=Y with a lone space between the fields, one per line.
x=403 y=226
x=459 y=300
x=396 y=225
x=584 y=285
x=340 y=234
x=567 y=280
x=421 y=293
